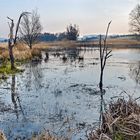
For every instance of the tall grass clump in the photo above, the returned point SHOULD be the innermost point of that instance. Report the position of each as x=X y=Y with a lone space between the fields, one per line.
x=121 y=122
x=36 y=53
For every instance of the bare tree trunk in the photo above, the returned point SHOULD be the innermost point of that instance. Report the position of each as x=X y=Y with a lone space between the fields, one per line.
x=104 y=55
x=12 y=39
x=10 y=47
x=101 y=81
x=11 y=44
x=30 y=46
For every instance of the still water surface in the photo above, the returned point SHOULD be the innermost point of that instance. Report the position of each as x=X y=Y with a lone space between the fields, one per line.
x=62 y=95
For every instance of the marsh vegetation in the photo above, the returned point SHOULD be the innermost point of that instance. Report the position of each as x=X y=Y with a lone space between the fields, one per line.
x=56 y=94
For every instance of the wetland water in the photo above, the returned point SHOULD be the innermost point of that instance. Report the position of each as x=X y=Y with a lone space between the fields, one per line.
x=61 y=94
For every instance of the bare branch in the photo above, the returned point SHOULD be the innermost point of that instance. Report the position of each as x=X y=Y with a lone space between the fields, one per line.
x=108 y=52
x=108 y=56
x=104 y=55
x=17 y=27
x=9 y=18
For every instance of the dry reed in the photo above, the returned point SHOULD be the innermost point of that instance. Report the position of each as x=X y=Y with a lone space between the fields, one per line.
x=120 y=122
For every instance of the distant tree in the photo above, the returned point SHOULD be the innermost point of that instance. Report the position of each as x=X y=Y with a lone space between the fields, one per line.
x=61 y=36
x=72 y=32
x=47 y=37
x=13 y=37
x=134 y=23
x=30 y=28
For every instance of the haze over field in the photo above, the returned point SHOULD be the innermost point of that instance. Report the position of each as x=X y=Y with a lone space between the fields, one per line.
x=91 y=15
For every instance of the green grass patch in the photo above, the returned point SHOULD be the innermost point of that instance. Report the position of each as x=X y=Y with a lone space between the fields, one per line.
x=118 y=136
x=6 y=69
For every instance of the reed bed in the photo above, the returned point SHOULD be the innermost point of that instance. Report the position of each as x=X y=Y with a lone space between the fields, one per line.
x=21 y=52
x=120 y=122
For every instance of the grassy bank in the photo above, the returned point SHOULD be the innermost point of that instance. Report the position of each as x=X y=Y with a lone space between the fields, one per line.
x=112 y=43
x=123 y=43
x=22 y=51
x=22 y=54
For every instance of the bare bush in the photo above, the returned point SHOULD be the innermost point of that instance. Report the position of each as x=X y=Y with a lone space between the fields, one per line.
x=134 y=23
x=30 y=28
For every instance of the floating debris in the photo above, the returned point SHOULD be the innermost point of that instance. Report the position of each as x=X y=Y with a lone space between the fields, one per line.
x=122 y=78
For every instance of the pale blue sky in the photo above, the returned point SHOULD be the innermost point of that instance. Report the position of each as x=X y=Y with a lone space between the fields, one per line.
x=91 y=16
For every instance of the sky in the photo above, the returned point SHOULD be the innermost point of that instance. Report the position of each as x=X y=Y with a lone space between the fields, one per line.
x=92 y=16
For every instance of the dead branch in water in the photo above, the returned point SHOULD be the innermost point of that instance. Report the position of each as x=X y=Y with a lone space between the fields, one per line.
x=104 y=55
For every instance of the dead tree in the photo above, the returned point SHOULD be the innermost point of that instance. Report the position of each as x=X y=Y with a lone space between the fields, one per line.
x=104 y=55
x=12 y=39
x=10 y=43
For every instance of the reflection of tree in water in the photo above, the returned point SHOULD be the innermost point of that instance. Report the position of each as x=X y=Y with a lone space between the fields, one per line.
x=135 y=72
x=73 y=53
x=37 y=76
x=61 y=121
x=15 y=98
x=102 y=109
x=77 y=53
x=34 y=77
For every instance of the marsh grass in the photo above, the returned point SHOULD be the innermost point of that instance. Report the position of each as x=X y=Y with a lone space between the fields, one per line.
x=21 y=52
x=6 y=69
x=121 y=122
x=44 y=136
x=36 y=53
x=2 y=136
x=111 y=42
x=47 y=136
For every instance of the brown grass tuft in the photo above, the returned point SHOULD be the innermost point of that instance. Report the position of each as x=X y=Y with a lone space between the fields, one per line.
x=2 y=136
x=36 y=53
x=47 y=136
x=120 y=122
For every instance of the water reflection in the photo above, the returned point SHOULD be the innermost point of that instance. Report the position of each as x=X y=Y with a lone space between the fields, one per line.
x=34 y=77
x=15 y=99
x=73 y=53
x=135 y=72
x=46 y=57
x=60 y=97
x=102 y=111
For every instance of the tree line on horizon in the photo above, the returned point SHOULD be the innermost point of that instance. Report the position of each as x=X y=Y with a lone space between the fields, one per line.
x=71 y=33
